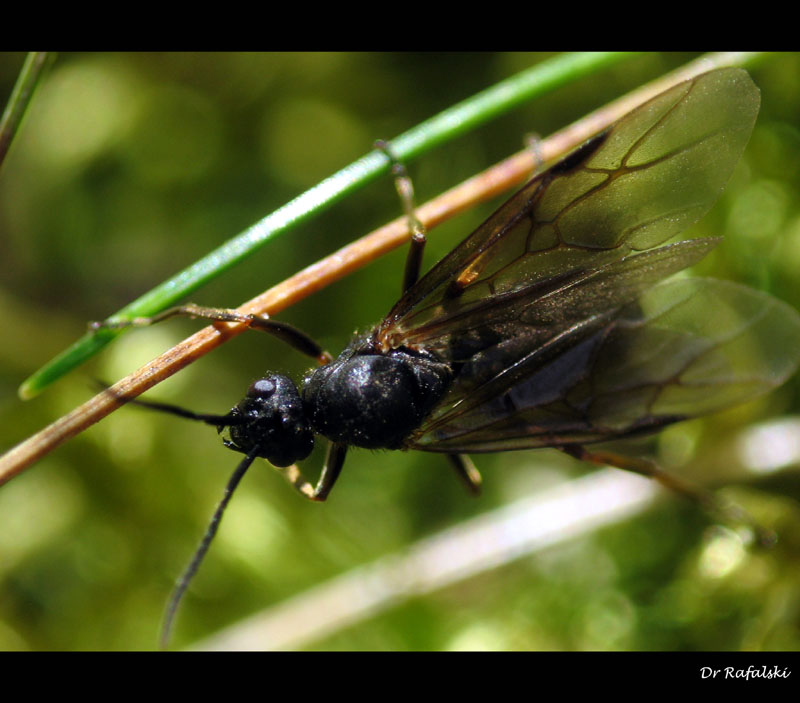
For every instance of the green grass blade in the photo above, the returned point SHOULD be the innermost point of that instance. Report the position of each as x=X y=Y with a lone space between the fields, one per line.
x=29 y=78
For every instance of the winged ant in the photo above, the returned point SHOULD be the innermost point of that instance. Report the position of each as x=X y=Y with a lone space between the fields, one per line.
x=554 y=324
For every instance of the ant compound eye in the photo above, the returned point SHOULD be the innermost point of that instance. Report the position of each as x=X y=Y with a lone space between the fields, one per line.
x=263 y=388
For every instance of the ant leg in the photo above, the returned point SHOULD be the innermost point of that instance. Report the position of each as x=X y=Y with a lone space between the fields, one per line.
x=708 y=500
x=334 y=460
x=282 y=330
x=405 y=189
x=467 y=472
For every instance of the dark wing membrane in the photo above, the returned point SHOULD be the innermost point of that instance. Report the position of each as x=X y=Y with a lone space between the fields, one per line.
x=685 y=348
x=629 y=189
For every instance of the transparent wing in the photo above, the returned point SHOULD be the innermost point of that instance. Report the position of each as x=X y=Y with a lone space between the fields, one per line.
x=552 y=315
x=686 y=347
x=629 y=189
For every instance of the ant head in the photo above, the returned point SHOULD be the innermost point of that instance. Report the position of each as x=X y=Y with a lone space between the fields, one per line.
x=271 y=416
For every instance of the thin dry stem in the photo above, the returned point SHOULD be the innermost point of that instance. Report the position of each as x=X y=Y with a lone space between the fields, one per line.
x=484 y=186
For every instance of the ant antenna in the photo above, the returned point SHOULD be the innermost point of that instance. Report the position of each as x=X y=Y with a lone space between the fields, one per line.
x=226 y=420
x=211 y=531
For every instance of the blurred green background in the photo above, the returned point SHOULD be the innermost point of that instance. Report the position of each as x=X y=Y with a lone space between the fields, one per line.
x=131 y=166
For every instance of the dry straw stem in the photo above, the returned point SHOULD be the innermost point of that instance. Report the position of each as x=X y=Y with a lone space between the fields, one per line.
x=484 y=186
